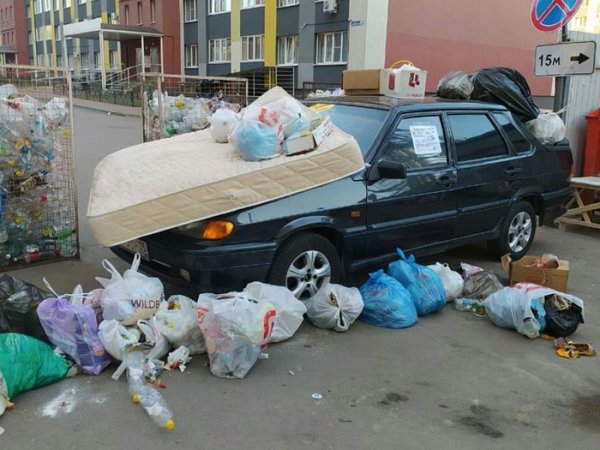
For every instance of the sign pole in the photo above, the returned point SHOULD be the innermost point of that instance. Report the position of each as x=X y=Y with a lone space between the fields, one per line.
x=561 y=93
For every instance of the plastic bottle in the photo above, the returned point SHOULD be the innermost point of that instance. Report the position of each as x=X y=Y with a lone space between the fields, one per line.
x=464 y=304
x=147 y=396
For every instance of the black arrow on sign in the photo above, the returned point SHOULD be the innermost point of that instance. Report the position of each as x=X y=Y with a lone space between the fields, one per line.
x=581 y=58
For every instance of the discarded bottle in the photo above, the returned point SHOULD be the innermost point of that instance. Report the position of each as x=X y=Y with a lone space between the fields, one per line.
x=147 y=396
x=464 y=304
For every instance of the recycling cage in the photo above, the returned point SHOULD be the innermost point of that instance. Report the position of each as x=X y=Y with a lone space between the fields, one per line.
x=160 y=115
x=38 y=196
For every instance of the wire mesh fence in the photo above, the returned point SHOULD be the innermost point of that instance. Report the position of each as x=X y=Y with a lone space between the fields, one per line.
x=38 y=198
x=178 y=104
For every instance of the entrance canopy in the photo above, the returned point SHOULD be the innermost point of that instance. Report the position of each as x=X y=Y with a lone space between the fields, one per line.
x=95 y=29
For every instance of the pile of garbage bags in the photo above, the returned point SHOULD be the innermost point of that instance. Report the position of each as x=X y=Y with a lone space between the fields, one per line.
x=173 y=115
x=507 y=87
x=35 y=223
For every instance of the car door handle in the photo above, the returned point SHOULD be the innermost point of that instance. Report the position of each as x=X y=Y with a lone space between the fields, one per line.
x=512 y=171
x=446 y=180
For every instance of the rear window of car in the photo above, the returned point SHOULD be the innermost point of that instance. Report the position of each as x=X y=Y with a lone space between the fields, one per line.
x=518 y=139
x=360 y=122
x=475 y=137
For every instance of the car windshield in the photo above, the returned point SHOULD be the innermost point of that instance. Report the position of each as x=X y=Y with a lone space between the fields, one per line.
x=361 y=122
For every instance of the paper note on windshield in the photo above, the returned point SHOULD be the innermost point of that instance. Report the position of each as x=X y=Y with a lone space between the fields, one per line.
x=425 y=140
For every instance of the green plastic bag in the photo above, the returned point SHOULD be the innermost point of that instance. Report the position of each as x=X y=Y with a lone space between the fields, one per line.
x=28 y=363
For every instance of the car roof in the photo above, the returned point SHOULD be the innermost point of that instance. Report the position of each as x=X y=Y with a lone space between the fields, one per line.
x=390 y=103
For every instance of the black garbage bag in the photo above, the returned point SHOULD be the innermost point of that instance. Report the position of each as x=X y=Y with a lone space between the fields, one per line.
x=455 y=85
x=507 y=87
x=18 y=305
x=562 y=316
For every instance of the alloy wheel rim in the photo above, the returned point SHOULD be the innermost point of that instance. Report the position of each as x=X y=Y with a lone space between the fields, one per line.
x=308 y=272
x=520 y=232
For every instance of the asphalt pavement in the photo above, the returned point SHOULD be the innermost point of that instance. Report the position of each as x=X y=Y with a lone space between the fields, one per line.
x=452 y=381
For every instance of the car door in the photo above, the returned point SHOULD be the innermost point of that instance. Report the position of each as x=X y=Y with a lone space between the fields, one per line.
x=488 y=174
x=418 y=210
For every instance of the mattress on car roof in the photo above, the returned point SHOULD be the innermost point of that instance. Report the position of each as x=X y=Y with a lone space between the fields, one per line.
x=167 y=183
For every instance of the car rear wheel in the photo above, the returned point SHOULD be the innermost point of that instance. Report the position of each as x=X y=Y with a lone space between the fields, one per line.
x=304 y=264
x=518 y=232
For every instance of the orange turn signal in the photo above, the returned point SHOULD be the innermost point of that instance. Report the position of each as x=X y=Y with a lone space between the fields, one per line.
x=217 y=229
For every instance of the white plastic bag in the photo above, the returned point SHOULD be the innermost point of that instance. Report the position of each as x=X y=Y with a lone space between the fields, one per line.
x=236 y=329
x=131 y=297
x=511 y=308
x=452 y=281
x=222 y=124
x=177 y=320
x=335 y=307
x=116 y=338
x=290 y=310
x=179 y=358
x=153 y=337
x=548 y=128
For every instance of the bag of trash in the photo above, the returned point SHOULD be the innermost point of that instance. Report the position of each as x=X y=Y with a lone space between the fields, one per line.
x=93 y=299
x=290 y=310
x=18 y=303
x=511 y=307
x=131 y=297
x=455 y=85
x=468 y=270
x=115 y=338
x=563 y=312
x=548 y=128
x=424 y=285
x=387 y=303
x=153 y=339
x=335 y=307
x=236 y=328
x=507 y=87
x=539 y=312
x=74 y=330
x=222 y=124
x=452 y=281
x=255 y=141
x=292 y=116
x=28 y=363
x=481 y=285
x=176 y=319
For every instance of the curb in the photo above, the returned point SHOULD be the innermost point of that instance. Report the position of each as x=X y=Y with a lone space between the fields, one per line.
x=106 y=110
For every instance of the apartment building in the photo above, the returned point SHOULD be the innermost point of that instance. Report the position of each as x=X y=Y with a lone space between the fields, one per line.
x=587 y=18
x=13 y=37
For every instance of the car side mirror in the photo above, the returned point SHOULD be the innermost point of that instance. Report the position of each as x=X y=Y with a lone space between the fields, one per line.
x=391 y=169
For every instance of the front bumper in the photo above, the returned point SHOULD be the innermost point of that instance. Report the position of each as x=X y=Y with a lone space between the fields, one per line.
x=219 y=268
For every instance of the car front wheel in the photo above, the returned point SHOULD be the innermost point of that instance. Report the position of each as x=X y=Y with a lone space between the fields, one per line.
x=304 y=264
x=518 y=232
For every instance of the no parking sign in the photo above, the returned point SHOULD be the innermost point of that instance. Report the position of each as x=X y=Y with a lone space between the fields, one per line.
x=550 y=15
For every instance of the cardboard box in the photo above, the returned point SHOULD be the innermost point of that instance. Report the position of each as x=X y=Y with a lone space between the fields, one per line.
x=405 y=83
x=520 y=271
x=308 y=139
x=363 y=82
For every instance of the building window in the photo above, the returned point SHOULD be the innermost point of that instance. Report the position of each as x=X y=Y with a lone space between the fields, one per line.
x=252 y=3
x=59 y=60
x=114 y=59
x=67 y=3
x=126 y=14
x=56 y=7
x=47 y=5
x=189 y=10
x=40 y=60
x=252 y=47
x=38 y=7
x=153 y=11
x=38 y=34
x=191 y=55
x=57 y=33
x=219 y=6
x=85 y=61
x=331 y=48
x=28 y=12
x=140 y=14
x=81 y=2
x=29 y=38
x=287 y=50
x=283 y=3
x=219 y=50
x=97 y=62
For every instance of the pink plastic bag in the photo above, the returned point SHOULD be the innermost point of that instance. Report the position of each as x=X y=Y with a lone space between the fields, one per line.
x=74 y=330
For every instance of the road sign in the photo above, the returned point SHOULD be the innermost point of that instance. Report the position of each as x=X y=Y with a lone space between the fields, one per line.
x=550 y=15
x=566 y=58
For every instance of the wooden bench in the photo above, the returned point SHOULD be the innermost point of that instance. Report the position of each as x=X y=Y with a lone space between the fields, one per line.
x=578 y=212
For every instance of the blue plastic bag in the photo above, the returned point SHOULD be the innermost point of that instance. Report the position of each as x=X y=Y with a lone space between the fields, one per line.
x=425 y=286
x=256 y=141
x=387 y=303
